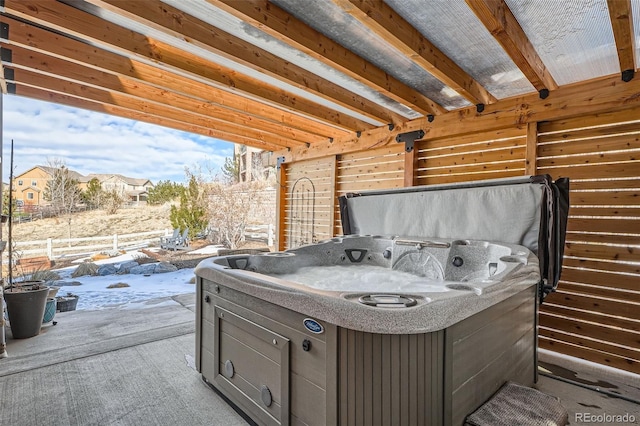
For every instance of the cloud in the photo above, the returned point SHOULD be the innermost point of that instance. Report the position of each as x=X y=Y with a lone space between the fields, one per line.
x=90 y=142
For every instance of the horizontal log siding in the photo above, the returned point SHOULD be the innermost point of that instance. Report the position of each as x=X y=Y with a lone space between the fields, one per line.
x=595 y=314
x=308 y=204
x=486 y=155
x=375 y=169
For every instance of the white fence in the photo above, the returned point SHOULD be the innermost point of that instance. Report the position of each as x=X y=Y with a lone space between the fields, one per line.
x=59 y=248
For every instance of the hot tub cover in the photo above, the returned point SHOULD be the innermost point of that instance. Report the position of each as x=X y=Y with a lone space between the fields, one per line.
x=530 y=211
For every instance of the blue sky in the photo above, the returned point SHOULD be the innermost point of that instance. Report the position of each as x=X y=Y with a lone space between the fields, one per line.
x=90 y=142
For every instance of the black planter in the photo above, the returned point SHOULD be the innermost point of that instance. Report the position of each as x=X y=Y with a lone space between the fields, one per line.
x=66 y=303
x=25 y=308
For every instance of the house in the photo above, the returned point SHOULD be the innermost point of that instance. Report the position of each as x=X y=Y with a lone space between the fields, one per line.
x=135 y=189
x=29 y=186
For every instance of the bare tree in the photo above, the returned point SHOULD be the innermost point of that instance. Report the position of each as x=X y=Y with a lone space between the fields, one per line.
x=62 y=191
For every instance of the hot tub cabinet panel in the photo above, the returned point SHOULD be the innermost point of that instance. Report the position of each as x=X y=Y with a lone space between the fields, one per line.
x=265 y=346
x=350 y=377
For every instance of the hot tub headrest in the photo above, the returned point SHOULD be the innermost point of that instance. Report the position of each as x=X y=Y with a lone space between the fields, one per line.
x=530 y=211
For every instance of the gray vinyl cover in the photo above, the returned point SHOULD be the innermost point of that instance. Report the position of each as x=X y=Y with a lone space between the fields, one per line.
x=530 y=211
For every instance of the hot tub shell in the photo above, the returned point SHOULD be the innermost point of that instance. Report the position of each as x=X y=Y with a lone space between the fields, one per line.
x=285 y=352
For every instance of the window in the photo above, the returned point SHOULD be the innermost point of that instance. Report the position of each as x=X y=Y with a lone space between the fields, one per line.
x=19 y=183
x=34 y=183
x=29 y=195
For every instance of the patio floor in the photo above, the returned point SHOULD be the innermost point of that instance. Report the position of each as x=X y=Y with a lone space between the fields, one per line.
x=137 y=367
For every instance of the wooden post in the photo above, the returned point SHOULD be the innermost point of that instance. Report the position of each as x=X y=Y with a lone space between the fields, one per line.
x=410 y=159
x=281 y=205
x=531 y=152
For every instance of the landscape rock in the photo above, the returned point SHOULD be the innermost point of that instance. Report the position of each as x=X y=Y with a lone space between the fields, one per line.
x=125 y=267
x=86 y=268
x=118 y=285
x=164 y=267
x=63 y=283
x=107 y=270
x=143 y=269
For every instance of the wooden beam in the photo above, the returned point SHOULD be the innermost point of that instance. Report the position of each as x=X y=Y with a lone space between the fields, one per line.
x=395 y=30
x=54 y=84
x=499 y=20
x=177 y=24
x=531 y=151
x=410 y=161
x=622 y=24
x=284 y=27
x=94 y=30
x=600 y=95
x=40 y=40
x=63 y=99
x=44 y=64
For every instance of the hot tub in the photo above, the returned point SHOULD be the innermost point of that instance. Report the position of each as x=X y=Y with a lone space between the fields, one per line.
x=376 y=329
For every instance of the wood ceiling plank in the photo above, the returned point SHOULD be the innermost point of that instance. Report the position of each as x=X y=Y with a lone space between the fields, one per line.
x=281 y=25
x=97 y=32
x=41 y=40
x=395 y=30
x=58 y=85
x=63 y=99
x=178 y=24
x=622 y=24
x=503 y=26
x=41 y=63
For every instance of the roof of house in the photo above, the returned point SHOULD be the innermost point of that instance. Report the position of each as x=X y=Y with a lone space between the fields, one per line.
x=51 y=170
x=128 y=180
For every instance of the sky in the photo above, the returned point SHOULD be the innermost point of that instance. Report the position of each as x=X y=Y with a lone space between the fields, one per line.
x=90 y=142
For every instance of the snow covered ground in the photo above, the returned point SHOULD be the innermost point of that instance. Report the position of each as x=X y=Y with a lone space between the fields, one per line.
x=95 y=294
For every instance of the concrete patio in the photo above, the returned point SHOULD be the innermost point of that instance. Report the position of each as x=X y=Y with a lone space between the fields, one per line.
x=137 y=367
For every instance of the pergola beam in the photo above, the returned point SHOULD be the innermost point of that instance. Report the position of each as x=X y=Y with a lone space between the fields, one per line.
x=279 y=24
x=58 y=85
x=40 y=40
x=503 y=26
x=94 y=30
x=395 y=30
x=177 y=24
x=622 y=23
x=41 y=63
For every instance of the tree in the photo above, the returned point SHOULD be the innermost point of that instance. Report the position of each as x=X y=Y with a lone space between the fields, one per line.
x=231 y=170
x=164 y=192
x=93 y=194
x=192 y=212
x=111 y=201
x=62 y=191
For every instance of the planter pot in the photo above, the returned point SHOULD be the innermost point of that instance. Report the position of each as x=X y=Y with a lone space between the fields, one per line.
x=25 y=308
x=49 y=310
x=67 y=303
x=53 y=291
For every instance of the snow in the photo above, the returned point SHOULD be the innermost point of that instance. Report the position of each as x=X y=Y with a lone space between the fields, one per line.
x=95 y=295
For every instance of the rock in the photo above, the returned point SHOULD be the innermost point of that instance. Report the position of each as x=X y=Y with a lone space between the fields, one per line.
x=118 y=285
x=106 y=270
x=125 y=267
x=86 y=268
x=143 y=269
x=163 y=267
x=64 y=283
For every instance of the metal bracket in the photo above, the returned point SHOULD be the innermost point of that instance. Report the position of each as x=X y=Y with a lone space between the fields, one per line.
x=279 y=162
x=544 y=93
x=9 y=74
x=11 y=88
x=430 y=117
x=627 y=75
x=391 y=126
x=409 y=138
x=479 y=108
x=6 y=55
x=2 y=3
x=4 y=28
